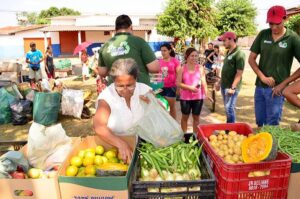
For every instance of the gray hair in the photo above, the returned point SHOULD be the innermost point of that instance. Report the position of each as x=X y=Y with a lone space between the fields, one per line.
x=124 y=67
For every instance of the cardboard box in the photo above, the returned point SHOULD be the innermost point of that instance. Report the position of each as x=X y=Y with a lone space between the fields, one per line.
x=41 y=188
x=113 y=187
x=294 y=182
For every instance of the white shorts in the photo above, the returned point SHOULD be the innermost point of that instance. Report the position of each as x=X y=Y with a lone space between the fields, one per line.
x=37 y=75
x=216 y=66
x=85 y=70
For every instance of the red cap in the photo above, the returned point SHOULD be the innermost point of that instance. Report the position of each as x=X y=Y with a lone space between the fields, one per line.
x=227 y=35
x=276 y=14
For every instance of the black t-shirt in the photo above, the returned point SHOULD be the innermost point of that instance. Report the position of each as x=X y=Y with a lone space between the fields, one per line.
x=207 y=53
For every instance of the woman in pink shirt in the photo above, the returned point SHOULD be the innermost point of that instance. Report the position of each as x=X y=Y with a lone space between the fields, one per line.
x=193 y=88
x=169 y=66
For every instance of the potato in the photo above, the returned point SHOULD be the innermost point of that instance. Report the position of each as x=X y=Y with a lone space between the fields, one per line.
x=222 y=133
x=230 y=151
x=235 y=138
x=237 y=150
x=224 y=141
x=232 y=133
x=235 y=158
x=212 y=137
x=230 y=144
x=225 y=136
x=238 y=144
x=258 y=173
x=220 y=137
x=227 y=158
x=221 y=153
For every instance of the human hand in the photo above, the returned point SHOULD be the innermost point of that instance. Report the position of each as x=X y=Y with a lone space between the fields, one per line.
x=194 y=89
x=268 y=81
x=230 y=91
x=145 y=99
x=277 y=90
x=125 y=152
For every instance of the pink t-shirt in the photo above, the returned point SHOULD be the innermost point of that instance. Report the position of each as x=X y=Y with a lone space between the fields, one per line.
x=169 y=69
x=192 y=79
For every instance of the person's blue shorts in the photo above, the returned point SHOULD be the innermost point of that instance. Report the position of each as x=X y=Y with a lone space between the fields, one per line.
x=169 y=92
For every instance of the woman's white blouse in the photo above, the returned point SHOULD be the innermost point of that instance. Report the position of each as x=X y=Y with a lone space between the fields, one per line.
x=121 y=117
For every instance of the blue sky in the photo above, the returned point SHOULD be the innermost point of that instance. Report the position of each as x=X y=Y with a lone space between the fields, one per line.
x=8 y=11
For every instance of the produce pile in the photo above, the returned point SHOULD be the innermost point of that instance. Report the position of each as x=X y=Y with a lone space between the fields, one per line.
x=94 y=162
x=288 y=141
x=177 y=162
x=235 y=148
x=228 y=146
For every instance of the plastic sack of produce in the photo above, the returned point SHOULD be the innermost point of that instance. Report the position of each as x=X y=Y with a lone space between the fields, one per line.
x=46 y=107
x=72 y=102
x=5 y=112
x=157 y=126
x=63 y=64
x=21 y=111
x=47 y=146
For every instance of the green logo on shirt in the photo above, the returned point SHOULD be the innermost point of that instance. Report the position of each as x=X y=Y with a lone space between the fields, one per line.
x=122 y=49
x=283 y=44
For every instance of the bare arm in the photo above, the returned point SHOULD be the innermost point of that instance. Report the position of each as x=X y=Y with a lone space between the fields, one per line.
x=237 y=78
x=103 y=71
x=277 y=90
x=266 y=80
x=209 y=56
x=100 y=122
x=153 y=67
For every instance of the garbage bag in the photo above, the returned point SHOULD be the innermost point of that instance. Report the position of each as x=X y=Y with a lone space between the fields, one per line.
x=10 y=161
x=46 y=107
x=157 y=126
x=72 y=102
x=5 y=112
x=47 y=146
x=21 y=111
x=30 y=96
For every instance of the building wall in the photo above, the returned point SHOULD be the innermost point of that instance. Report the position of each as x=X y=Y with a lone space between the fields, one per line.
x=97 y=36
x=12 y=46
x=63 y=22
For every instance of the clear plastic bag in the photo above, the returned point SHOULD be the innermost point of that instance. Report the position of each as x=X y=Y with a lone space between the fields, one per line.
x=47 y=146
x=72 y=102
x=157 y=126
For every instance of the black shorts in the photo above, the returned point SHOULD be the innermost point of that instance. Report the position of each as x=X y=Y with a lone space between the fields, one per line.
x=168 y=92
x=188 y=106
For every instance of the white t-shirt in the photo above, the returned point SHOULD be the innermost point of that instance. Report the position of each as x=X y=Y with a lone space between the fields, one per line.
x=121 y=117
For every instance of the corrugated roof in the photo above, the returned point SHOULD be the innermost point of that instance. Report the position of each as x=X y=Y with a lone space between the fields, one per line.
x=102 y=14
x=57 y=28
x=9 y=30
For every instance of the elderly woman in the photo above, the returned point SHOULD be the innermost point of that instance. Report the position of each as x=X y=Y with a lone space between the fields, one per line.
x=119 y=106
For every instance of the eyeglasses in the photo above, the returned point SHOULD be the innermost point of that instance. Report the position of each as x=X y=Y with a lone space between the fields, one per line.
x=122 y=88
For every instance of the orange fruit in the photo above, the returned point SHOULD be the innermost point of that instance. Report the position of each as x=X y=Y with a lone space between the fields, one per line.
x=71 y=171
x=88 y=161
x=81 y=153
x=90 y=170
x=99 y=150
x=98 y=160
x=76 y=161
x=110 y=154
x=89 y=154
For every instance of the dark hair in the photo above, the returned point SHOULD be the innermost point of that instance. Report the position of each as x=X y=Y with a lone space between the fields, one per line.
x=216 y=46
x=168 y=46
x=210 y=44
x=188 y=52
x=123 y=22
x=32 y=44
x=124 y=67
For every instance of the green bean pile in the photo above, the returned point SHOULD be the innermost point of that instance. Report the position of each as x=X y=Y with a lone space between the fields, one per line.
x=288 y=141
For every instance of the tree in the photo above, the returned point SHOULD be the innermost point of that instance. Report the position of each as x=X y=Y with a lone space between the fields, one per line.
x=45 y=15
x=187 y=18
x=26 y=18
x=294 y=23
x=237 y=16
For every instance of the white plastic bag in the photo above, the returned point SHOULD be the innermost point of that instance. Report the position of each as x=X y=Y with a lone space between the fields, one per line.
x=45 y=85
x=72 y=102
x=157 y=126
x=47 y=146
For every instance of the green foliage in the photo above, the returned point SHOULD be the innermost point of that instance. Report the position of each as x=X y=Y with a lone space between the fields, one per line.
x=187 y=18
x=294 y=23
x=44 y=16
x=237 y=16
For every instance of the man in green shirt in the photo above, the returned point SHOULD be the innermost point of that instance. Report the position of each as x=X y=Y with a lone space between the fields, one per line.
x=231 y=76
x=125 y=45
x=277 y=46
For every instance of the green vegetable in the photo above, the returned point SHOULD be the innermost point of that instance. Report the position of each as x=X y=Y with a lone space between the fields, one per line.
x=288 y=141
x=181 y=158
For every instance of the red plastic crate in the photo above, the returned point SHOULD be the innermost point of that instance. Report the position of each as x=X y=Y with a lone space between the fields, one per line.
x=232 y=179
